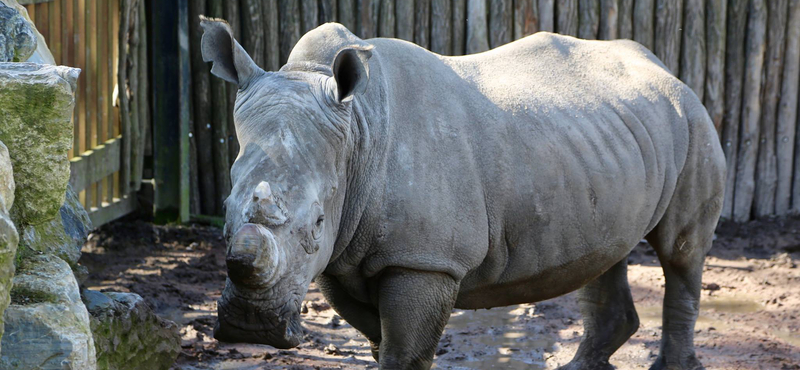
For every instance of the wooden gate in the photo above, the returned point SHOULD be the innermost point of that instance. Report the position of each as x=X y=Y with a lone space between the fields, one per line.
x=107 y=153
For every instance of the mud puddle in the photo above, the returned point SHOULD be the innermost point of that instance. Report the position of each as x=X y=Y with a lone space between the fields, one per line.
x=708 y=307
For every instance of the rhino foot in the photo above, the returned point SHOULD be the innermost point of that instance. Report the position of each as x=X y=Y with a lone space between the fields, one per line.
x=582 y=365
x=690 y=363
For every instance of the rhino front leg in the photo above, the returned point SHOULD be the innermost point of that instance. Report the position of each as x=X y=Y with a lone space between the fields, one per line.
x=414 y=308
x=362 y=316
x=609 y=318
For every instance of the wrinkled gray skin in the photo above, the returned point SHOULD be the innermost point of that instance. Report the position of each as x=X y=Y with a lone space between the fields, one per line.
x=409 y=183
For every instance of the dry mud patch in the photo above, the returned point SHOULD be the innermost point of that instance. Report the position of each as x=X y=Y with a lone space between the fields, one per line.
x=748 y=320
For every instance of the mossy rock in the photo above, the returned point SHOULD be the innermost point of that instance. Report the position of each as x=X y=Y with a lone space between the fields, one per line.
x=36 y=103
x=128 y=334
x=21 y=295
x=8 y=248
x=47 y=326
x=44 y=278
x=8 y=232
x=62 y=236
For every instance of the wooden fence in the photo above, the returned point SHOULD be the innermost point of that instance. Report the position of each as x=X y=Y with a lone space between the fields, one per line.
x=741 y=57
x=111 y=123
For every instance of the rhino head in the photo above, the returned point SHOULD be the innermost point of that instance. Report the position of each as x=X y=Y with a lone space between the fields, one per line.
x=282 y=216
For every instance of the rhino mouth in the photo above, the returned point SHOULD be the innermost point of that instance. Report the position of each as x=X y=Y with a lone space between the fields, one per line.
x=242 y=320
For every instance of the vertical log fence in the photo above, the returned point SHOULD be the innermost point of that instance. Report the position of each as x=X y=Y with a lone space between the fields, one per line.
x=741 y=58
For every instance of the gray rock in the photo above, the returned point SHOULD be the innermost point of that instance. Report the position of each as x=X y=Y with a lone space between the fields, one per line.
x=7 y=185
x=47 y=325
x=75 y=219
x=62 y=236
x=128 y=335
x=8 y=233
x=47 y=315
x=17 y=35
x=42 y=54
x=8 y=249
x=36 y=104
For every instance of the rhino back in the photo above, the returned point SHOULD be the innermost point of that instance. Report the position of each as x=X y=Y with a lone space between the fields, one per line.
x=543 y=159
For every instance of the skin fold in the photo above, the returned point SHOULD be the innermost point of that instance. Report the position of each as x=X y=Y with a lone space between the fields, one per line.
x=407 y=184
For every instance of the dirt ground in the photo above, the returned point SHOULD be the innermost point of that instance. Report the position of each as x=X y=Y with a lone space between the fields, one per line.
x=748 y=319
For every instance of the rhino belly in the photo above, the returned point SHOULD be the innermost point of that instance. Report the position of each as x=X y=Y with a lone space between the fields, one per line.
x=532 y=276
x=567 y=213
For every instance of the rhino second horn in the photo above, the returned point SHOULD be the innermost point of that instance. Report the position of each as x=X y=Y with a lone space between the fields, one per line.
x=263 y=193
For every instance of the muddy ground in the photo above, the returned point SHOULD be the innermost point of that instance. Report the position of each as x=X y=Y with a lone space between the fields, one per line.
x=749 y=319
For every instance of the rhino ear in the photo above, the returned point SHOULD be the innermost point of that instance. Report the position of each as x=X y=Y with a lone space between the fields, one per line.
x=351 y=71
x=231 y=62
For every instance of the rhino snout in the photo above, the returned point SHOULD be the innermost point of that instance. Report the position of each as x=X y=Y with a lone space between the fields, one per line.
x=243 y=317
x=253 y=258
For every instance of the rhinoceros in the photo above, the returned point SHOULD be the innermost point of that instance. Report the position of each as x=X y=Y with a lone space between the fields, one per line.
x=407 y=184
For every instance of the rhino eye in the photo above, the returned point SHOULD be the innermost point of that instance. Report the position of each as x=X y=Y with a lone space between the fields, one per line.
x=317 y=231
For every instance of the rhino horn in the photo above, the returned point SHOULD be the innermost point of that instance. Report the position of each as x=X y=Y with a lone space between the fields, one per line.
x=263 y=193
x=253 y=257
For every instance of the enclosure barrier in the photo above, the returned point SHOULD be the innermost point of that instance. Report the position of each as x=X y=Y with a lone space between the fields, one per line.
x=741 y=57
x=111 y=123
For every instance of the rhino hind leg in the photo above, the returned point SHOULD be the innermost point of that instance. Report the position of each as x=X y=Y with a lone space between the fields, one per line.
x=609 y=318
x=683 y=274
x=681 y=239
x=681 y=250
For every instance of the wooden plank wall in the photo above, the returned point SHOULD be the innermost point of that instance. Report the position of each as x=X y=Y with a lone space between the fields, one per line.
x=111 y=123
x=741 y=58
